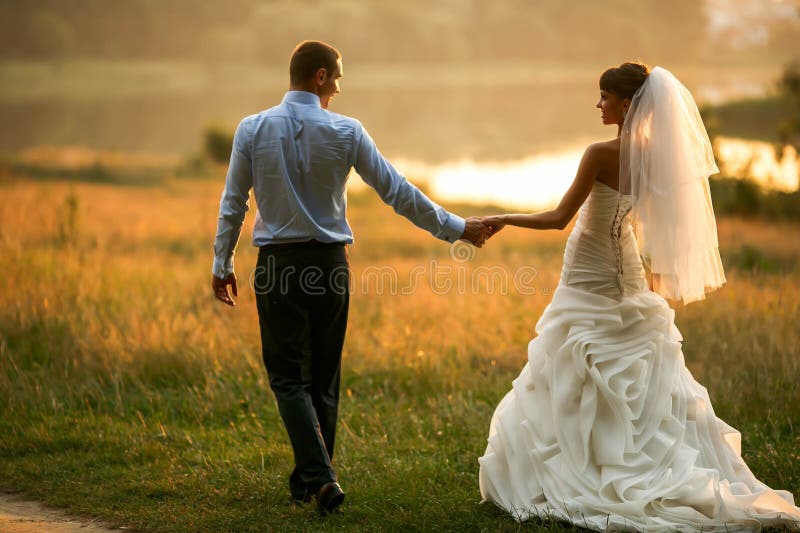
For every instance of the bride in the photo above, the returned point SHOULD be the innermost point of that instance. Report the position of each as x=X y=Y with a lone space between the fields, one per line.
x=605 y=427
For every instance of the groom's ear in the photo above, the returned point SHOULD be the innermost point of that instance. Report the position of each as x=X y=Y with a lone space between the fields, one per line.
x=320 y=76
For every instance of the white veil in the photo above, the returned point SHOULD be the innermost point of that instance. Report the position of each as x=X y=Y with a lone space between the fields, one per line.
x=665 y=161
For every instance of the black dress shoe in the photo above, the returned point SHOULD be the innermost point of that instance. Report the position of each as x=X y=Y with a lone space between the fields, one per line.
x=330 y=497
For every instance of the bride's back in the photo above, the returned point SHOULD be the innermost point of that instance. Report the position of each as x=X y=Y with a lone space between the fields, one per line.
x=608 y=163
x=601 y=254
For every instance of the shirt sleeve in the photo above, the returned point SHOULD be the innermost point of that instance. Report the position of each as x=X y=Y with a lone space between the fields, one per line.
x=394 y=189
x=234 y=202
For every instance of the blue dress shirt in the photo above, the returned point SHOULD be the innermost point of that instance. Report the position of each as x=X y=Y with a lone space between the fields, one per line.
x=297 y=157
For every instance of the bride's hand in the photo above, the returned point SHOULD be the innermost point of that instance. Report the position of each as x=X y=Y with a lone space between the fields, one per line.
x=495 y=223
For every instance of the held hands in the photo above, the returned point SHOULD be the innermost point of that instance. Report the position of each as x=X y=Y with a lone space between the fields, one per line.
x=479 y=229
x=476 y=232
x=220 y=287
x=495 y=223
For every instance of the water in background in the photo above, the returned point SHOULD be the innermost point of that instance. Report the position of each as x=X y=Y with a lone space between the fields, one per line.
x=505 y=134
x=434 y=114
x=538 y=182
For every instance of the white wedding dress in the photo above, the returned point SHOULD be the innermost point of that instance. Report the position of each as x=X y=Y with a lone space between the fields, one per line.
x=605 y=427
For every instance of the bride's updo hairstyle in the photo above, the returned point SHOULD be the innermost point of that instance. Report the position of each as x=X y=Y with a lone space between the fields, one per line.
x=625 y=79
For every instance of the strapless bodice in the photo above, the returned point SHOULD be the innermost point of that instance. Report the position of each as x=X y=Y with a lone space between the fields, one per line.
x=601 y=255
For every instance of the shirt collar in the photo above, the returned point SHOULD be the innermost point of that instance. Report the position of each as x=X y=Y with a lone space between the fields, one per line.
x=301 y=97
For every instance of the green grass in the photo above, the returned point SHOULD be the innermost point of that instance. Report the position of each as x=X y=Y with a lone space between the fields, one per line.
x=128 y=394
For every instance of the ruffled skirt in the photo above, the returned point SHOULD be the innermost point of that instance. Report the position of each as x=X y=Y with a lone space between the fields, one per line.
x=606 y=428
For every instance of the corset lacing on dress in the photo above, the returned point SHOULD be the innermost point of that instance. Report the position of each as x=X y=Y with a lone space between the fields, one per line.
x=616 y=233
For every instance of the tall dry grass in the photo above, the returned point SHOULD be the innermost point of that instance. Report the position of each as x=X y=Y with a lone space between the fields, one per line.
x=128 y=392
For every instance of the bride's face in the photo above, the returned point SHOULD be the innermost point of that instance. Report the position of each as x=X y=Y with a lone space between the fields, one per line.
x=612 y=107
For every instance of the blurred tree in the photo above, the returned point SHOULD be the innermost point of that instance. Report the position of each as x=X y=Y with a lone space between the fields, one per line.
x=217 y=143
x=790 y=81
x=789 y=86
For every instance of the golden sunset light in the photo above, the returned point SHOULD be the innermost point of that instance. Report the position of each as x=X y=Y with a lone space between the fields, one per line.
x=361 y=265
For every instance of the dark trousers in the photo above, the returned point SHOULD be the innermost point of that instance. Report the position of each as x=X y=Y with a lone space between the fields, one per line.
x=302 y=297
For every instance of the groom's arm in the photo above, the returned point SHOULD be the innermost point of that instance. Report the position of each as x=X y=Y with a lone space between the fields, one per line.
x=232 y=208
x=404 y=197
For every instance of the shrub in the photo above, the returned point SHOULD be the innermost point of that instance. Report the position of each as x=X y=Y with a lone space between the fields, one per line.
x=217 y=143
x=746 y=198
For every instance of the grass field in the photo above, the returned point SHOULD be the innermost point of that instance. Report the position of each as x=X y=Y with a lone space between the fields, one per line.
x=130 y=394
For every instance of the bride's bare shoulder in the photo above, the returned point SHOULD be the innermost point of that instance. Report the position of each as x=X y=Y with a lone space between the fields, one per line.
x=604 y=151
x=609 y=147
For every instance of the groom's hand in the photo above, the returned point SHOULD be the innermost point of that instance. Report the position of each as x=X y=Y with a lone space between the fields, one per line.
x=220 y=287
x=495 y=224
x=476 y=232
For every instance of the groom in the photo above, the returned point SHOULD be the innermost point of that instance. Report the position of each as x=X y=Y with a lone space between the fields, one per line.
x=297 y=156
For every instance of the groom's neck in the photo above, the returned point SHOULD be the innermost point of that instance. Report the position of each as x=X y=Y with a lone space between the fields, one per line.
x=307 y=87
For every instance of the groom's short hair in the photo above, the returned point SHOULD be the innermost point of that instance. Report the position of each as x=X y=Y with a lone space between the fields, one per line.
x=310 y=56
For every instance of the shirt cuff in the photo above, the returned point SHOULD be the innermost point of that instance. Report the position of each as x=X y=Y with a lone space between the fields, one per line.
x=453 y=228
x=220 y=269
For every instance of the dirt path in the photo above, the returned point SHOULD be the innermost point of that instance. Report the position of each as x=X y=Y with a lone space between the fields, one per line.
x=20 y=516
